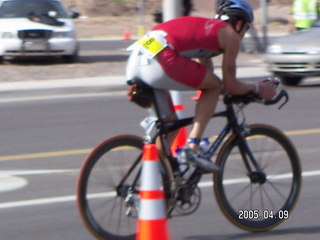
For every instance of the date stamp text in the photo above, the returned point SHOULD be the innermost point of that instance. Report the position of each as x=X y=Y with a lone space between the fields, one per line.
x=255 y=214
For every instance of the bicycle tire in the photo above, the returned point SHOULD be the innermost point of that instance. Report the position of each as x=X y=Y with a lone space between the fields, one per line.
x=246 y=203
x=101 y=205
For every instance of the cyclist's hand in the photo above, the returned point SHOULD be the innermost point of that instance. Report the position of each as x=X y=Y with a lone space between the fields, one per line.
x=267 y=89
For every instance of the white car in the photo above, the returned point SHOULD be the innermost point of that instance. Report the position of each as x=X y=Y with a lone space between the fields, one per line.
x=37 y=28
x=295 y=56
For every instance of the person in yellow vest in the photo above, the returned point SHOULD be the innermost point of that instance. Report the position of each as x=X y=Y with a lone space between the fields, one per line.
x=304 y=13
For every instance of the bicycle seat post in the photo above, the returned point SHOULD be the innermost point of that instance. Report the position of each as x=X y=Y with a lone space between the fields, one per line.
x=148 y=124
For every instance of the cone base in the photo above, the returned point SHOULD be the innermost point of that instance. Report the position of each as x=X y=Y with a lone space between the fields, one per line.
x=152 y=230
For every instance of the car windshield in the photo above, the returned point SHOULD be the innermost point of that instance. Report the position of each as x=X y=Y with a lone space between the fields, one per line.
x=23 y=9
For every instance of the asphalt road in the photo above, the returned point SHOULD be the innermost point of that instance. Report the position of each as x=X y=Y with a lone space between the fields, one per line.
x=45 y=139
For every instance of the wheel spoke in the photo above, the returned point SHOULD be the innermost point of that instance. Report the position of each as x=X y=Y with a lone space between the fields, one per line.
x=103 y=208
x=268 y=197
x=277 y=190
x=108 y=187
x=270 y=185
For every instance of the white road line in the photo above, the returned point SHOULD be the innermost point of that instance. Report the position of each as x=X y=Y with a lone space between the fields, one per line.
x=10 y=183
x=37 y=202
x=71 y=198
x=10 y=180
x=36 y=172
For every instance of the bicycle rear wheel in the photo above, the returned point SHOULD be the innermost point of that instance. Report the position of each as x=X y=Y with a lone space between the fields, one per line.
x=108 y=188
x=258 y=200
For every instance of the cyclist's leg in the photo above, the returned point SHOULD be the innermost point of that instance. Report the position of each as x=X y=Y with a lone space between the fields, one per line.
x=166 y=111
x=206 y=104
x=193 y=75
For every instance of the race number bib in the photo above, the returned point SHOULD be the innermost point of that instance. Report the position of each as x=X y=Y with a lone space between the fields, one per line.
x=150 y=45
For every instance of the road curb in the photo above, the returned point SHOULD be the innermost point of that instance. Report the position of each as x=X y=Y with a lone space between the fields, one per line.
x=103 y=83
x=111 y=82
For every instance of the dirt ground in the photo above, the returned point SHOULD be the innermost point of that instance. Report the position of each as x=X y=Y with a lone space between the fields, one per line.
x=112 y=24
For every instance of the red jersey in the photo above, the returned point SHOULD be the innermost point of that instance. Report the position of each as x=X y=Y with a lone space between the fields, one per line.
x=193 y=36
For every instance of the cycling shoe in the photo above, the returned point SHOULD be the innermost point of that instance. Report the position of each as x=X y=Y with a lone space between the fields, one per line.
x=197 y=159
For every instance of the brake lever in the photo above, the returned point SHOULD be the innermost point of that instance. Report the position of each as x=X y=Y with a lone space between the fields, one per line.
x=286 y=96
x=283 y=93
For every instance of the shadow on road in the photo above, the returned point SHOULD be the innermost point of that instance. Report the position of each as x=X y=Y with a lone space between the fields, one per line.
x=44 y=61
x=103 y=58
x=309 y=85
x=276 y=232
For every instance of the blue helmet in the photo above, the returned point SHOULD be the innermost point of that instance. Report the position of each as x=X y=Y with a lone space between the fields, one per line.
x=236 y=9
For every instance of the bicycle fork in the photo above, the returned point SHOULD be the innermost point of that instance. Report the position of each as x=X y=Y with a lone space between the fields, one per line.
x=255 y=172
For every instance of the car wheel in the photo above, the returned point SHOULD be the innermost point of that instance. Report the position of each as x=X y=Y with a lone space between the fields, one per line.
x=70 y=58
x=290 y=80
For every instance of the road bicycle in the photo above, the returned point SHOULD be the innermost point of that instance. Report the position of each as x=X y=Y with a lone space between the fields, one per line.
x=257 y=183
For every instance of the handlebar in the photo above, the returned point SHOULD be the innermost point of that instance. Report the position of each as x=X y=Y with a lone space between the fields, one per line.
x=249 y=98
x=282 y=94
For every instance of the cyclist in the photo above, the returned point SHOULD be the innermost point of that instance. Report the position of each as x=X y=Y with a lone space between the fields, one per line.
x=176 y=55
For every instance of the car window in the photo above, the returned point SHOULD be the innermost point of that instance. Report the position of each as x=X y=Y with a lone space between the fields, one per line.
x=23 y=9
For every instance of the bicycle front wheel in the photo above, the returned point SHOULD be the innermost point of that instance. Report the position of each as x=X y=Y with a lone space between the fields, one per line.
x=103 y=186
x=258 y=200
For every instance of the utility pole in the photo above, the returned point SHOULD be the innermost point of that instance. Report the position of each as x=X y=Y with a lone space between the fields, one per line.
x=264 y=22
x=171 y=9
x=141 y=25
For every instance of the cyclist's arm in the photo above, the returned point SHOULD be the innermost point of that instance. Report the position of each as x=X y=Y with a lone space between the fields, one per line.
x=230 y=43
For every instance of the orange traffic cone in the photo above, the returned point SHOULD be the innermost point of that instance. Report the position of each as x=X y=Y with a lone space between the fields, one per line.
x=181 y=139
x=152 y=223
x=126 y=35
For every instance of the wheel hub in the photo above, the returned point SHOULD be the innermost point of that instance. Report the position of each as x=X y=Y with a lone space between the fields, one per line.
x=122 y=190
x=258 y=177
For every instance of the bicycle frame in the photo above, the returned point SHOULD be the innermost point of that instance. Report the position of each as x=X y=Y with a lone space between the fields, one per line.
x=163 y=128
x=270 y=190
